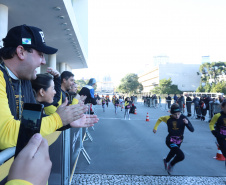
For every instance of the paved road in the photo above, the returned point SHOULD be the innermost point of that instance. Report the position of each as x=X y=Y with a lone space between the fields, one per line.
x=129 y=147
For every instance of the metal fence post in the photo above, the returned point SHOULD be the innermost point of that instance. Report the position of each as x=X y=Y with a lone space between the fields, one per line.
x=66 y=157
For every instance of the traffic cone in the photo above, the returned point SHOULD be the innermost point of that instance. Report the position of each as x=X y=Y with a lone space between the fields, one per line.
x=135 y=112
x=219 y=155
x=147 y=117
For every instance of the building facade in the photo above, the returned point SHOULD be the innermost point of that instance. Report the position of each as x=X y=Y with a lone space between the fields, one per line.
x=185 y=76
x=64 y=23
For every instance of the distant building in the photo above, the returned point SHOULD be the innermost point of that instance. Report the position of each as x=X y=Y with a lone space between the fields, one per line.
x=205 y=59
x=105 y=85
x=185 y=76
x=161 y=59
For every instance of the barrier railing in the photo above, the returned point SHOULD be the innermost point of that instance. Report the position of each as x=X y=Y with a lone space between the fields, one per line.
x=6 y=154
x=64 y=151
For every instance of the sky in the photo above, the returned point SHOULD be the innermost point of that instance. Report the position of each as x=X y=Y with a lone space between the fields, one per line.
x=125 y=35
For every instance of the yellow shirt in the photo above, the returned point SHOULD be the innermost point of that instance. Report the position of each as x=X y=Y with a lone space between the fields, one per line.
x=9 y=127
x=18 y=182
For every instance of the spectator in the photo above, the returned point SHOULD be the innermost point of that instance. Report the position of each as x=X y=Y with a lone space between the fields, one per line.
x=88 y=91
x=197 y=107
x=67 y=81
x=168 y=100
x=32 y=165
x=73 y=92
x=175 y=98
x=43 y=86
x=218 y=128
x=23 y=52
x=160 y=105
x=132 y=109
x=181 y=102
x=188 y=104
x=221 y=99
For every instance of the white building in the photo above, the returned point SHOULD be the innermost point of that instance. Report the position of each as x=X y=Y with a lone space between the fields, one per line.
x=64 y=23
x=105 y=85
x=185 y=76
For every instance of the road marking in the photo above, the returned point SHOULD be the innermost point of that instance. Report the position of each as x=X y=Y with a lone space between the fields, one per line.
x=131 y=119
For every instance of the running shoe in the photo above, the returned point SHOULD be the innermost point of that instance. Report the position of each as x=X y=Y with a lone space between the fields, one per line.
x=169 y=169
x=165 y=163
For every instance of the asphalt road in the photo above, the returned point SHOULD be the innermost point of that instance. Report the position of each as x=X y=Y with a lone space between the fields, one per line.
x=130 y=147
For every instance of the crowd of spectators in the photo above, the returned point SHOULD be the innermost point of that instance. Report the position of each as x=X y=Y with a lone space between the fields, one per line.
x=22 y=52
x=202 y=104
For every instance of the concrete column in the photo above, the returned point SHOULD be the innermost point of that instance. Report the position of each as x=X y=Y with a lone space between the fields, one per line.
x=3 y=22
x=52 y=61
x=68 y=68
x=62 y=67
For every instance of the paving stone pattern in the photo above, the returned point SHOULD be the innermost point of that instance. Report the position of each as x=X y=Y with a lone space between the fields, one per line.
x=102 y=179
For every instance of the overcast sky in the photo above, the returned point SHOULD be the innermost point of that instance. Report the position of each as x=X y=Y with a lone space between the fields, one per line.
x=124 y=35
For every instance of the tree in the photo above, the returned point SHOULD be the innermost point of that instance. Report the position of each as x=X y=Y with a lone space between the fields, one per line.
x=81 y=83
x=220 y=87
x=130 y=84
x=200 y=89
x=207 y=87
x=212 y=71
x=166 y=87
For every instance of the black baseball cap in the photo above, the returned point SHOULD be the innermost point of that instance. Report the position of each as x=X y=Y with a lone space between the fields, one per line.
x=27 y=36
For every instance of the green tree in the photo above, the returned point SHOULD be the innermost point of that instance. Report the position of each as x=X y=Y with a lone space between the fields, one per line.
x=220 y=87
x=81 y=83
x=166 y=87
x=212 y=71
x=207 y=87
x=130 y=84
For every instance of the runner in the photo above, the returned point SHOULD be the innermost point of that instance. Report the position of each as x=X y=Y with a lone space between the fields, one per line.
x=121 y=102
x=176 y=123
x=107 y=100
x=103 y=103
x=127 y=107
x=218 y=128
x=116 y=103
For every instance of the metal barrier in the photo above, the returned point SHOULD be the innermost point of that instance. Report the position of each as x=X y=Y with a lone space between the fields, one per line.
x=214 y=108
x=64 y=152
x=7 y=154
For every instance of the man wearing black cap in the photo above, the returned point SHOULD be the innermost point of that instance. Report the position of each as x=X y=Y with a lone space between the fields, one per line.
x=23 y=51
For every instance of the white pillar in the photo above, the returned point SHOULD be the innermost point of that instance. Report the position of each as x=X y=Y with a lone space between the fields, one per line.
x=3 y=22
x=69 y=68
x=52 y=61
x=62 y=67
